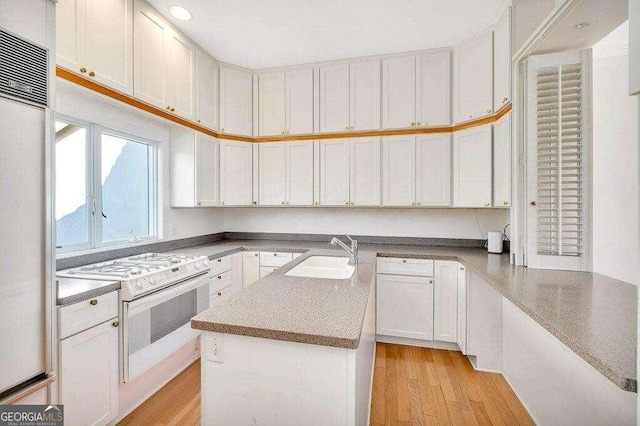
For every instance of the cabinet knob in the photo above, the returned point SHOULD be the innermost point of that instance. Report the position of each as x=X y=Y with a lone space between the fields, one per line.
x=282 y=132
x=316 y=203
x=533 y=203
x=505 y=99
x=256 y=254
x=430 y=281
x=93 y=302
x=275 y=254
x=404 y=260
x=172 y=109
x=418 y=203
x=286 y=202
x=168 y=108
x=198 y=120
x=471 y=116
x=418 y=123
x=219 y=293
x=287 y=132
x=222 y=203
x=222 y=129
x=346 y=203
x=486 y=204
x=83 y=70
x=282 y=203
x=488 y=111
x=413 y=204
x=115 y=323
x=220 y=260
x=462 y=268
x=254 y=203
x=346 y=128
x=199 y=203
x=413 y=123
x=505 y=203
x=92 y=74
x=219 y=277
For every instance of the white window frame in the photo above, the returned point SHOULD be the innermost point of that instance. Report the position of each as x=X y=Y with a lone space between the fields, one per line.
x=94 y=189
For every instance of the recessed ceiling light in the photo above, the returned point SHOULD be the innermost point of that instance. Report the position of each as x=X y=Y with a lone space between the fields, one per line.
x=581 y=25
x=180 y=13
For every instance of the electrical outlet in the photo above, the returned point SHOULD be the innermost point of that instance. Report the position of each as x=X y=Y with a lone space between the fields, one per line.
x=215 y=347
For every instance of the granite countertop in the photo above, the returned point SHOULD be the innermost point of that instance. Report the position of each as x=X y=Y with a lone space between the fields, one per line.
x=72 y=290
x=593 y=315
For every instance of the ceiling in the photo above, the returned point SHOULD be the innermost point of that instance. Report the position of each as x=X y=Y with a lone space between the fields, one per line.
x=268 y=33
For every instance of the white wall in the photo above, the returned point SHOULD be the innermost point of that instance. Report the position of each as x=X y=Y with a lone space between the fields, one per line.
x=434 y=223
x=79 y=103
x=615 y=161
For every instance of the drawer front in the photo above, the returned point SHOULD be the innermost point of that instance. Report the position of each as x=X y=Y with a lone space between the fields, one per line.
x=80 y=316
x=405 y=266
x=219 y=296
x=220 y=265
x=219 y=281
x=266 y=270
x=273 y=258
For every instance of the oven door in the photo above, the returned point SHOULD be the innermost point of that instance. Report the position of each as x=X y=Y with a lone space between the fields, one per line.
x=157 y=325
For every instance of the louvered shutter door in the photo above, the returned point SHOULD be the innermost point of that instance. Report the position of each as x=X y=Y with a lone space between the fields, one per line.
x=558 y=137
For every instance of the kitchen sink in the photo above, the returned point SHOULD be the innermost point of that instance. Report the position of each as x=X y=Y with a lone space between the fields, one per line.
x=330 y=267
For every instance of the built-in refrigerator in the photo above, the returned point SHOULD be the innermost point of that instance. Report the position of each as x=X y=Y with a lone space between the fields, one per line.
x=24 y=208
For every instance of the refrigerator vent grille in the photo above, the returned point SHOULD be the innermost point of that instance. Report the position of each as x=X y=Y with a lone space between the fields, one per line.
x=23 y=69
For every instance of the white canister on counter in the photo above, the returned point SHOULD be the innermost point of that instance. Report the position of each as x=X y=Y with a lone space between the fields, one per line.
x=495 y=242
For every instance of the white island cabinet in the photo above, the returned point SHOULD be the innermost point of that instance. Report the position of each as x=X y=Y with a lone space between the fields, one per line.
x=288 y=383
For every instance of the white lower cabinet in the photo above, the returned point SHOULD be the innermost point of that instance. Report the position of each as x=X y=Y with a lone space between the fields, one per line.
x=461 y=338
x=445 y=296
x=250 y=267
x=404 y=307
x=88 y=385
x=420 y=299
x=266 y=270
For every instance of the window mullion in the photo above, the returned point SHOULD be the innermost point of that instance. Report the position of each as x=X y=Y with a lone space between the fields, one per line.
x=97 y=184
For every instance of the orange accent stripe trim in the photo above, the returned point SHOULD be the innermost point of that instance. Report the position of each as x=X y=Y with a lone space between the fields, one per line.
x=98 y=88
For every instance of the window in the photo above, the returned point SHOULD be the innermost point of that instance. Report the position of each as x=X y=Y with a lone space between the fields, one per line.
x=105 y=187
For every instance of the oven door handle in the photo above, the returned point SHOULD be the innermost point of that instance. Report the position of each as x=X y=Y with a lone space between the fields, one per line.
x=136 y=306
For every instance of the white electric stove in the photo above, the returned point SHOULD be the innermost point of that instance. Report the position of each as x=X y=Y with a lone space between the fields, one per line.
x=144 y=273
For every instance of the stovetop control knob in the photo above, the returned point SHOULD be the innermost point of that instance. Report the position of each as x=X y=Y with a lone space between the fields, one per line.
x=139 y=285
x=199 y=264
x=153 y=280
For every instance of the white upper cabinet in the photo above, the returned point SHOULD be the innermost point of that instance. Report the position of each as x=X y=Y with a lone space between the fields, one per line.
x=334 y=172
x=206 y=90
x=502 y=60
x=350 y=97
x=398 y=170
x=433 y=89
x=285 y=102
x=502 y=162
x=299 y=173
x=364 y=99
x=445 y=301
x=179 y=74
x=334 y=98
x=433 y=169
x=399 y=92
x=472 y=167
x=473 y=78
x=416 y=91
x=272 y=175
x=194 y=166
x=164 y=66
x=236 y=101
x=286 y=174
x=272 y=104
x=364 y=176
x=299 y=101
x=94 y=38
x=236 y=173
x=149 y=40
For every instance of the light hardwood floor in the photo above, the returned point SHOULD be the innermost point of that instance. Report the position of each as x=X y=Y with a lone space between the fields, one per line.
x=411 y=386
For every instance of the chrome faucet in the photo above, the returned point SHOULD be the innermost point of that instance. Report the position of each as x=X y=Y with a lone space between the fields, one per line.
x=353 y=250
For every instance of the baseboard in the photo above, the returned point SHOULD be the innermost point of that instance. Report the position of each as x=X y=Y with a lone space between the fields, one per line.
x=433 y=344
x=506 y=378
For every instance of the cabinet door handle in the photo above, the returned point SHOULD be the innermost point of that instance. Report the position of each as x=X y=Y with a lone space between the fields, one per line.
x=505 y=99
x=83 y=70
x=282 y=203
x=219 y=260
x=219 y=293
x=199 y=203
x=256 y=254
x=115 y=323
x=430 y=281
x=219 y=277
x=505 y=203
x=533 y=203
x=404 y=260
x=488 y=111
x=222 y=203
x=92 y=74
x=418 y=123
x=275 y=254
x=168 y=108
x=93 y=302
x=172 y=109
x=486 y=204
x=462 y=268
